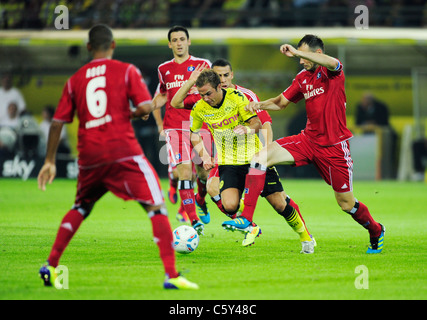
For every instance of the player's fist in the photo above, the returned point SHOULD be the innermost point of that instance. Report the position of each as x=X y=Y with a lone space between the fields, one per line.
x=288 y=50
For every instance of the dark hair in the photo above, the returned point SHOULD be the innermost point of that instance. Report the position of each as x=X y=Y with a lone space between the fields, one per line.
x=176 y=29
x=313 y=42
x=221 y=63
x=100 y=37
x=208 y=76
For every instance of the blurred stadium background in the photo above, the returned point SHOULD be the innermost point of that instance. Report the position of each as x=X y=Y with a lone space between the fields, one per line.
x=388 y=60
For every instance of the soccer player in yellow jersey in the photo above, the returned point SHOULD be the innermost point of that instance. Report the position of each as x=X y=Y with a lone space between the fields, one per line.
x=233 y=130
x=273 y=190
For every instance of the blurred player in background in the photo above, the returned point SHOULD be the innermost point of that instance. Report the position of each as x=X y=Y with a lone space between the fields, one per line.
x=172 y=75
x=273 y=190
x=110 y=157
x=324 y=141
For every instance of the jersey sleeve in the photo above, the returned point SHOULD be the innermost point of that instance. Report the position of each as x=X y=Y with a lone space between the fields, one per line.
x=196 y=122
x=137 y=88
x=161 y=88
x=264 y=116
x=66 y=107
x=293 y=92
x=334 y=73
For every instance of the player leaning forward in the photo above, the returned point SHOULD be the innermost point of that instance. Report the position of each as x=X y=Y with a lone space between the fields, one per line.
x=110 y=157
x=233 y=130
x=324 y=141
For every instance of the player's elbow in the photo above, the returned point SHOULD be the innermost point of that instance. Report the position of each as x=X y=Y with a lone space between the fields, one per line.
x=176 y=104
x=333 y=64
x=143 y=110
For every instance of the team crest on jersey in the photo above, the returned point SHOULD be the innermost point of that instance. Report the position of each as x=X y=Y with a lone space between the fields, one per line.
x=177 y=156
x=191 y=68
x=319 y=75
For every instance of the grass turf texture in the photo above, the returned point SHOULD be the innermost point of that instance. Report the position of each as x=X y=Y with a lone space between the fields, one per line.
x=113 y=256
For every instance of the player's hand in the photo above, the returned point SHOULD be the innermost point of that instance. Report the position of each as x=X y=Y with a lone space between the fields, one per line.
x=46 y=175
x=196 y=72
x=288 y=50
x=208 y=163
x=241 y=129
x=160 y=130
x=253 y=107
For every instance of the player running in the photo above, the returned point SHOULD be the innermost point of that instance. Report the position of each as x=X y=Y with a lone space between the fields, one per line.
x=110 y=157
x=273 y=189
x=324 y=141
x=234 y=131
x=172 y=75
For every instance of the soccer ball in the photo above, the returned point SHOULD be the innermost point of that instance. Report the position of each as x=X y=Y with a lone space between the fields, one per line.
x=185 y=239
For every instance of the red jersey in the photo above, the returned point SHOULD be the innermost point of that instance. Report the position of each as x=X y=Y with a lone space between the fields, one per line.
x=172 y=76
x=262 y=114
x=325 y=102
x=100 y=92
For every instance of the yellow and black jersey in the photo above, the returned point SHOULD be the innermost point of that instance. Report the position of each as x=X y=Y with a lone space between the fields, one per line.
x=232 y=149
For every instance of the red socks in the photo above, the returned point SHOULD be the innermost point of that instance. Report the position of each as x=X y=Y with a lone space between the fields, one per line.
x=188 y=199
x=201 y=191
x=69 y=225
x=255 y=181
x=162 y=233
x=361 y=215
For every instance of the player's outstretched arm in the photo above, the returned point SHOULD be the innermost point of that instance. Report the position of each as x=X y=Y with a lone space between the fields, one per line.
x=317 y=56
x=178 y=99
x=273 y=104
x=48 y=171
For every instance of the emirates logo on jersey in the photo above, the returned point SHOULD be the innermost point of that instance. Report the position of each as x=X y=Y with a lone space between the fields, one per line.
x=312 y=92
x=177 y=83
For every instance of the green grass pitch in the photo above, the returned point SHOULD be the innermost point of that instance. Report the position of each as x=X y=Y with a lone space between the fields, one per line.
x=113 y=256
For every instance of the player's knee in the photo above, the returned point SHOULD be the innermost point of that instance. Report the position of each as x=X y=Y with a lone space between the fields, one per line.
x=346 y=205
x=85 y=208
x=212 y=187
x=230 y=205
x=202 y=173
x=185 y=171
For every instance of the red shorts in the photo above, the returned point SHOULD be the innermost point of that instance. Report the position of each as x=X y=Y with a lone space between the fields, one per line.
x=180 y=147
x=334 y=163
x=132 y=178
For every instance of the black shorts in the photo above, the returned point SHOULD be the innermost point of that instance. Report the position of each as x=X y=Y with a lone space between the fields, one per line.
x=234 y=177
